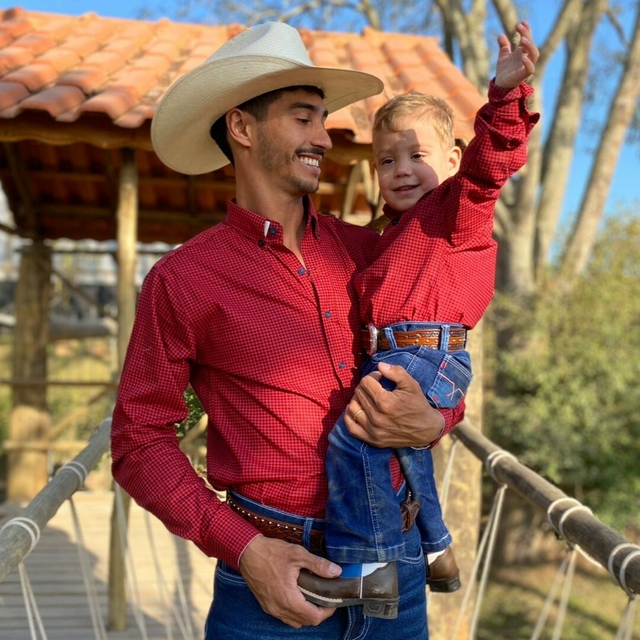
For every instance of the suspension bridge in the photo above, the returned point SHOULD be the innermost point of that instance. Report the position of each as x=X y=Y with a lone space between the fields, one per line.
x=54 y=557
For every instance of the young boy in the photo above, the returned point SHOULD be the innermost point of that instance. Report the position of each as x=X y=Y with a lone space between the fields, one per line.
x=431 y=279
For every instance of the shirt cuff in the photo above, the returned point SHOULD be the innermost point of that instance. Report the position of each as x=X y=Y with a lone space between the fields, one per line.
x=450 y=418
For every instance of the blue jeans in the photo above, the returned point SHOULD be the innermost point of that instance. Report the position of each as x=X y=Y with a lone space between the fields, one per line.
x=236 y=614
x=363 y=519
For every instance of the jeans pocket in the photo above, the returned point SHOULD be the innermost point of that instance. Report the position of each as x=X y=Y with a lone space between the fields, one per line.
x=451 y=382
x=412 y=557
x=226 y=573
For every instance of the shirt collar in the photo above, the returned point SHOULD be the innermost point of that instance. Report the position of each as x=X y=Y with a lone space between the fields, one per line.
x=259 y=228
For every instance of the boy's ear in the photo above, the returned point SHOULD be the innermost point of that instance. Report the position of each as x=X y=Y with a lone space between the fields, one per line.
x=455 y=156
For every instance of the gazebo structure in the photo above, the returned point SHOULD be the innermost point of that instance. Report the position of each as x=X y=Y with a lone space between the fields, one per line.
x=77 y=94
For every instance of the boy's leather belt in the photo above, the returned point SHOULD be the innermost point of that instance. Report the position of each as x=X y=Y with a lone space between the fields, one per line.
x=375 y=340
x=288 y=532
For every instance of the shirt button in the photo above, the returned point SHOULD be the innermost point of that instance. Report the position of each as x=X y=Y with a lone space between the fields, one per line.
x=342 y=365
x=262 y=243
x=395 y=221
x=273 y=230
x=327 y=314
x=302 y=271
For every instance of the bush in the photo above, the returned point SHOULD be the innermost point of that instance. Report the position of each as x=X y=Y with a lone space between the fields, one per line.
x=569 y=394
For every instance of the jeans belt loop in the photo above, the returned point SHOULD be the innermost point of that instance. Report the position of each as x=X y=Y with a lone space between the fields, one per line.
x=390 y=336
x=444 y=337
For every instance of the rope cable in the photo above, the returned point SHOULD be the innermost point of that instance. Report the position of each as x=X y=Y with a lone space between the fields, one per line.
x=446 y=480
x=31 y=606
x=92 y=597
x=131 y=573
x=29 y=525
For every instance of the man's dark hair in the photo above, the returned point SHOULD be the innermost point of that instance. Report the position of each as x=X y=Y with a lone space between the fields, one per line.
x=258 y=107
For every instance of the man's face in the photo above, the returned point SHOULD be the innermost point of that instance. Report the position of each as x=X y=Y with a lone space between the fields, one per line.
x=411 y=160
x=292 y=141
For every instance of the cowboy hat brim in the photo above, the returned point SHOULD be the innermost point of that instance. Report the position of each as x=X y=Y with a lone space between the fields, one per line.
x=183 y=118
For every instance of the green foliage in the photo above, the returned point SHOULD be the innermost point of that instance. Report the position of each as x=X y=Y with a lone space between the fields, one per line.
x=195 y=412
x=568 y=403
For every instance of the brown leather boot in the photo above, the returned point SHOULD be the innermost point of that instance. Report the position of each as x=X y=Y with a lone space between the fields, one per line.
x=443 y=575
x=377 y=591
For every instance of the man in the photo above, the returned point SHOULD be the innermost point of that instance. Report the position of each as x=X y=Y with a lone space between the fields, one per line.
x=259 y=315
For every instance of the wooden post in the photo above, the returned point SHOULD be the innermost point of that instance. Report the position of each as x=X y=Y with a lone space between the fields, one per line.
x=127 y=236
x=30 y=418
x=462 y=510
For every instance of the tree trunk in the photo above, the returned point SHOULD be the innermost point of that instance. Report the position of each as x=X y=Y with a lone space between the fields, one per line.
x=581 y=241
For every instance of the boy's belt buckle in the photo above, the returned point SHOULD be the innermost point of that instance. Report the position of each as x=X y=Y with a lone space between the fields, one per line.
x=373 y=338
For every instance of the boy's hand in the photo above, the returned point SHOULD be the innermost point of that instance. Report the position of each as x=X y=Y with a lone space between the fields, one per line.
x=514 y=67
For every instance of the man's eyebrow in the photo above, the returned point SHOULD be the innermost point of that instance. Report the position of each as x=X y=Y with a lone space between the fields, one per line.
x=309 y=106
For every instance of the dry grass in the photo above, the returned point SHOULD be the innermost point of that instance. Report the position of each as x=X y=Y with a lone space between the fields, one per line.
x=516 y=595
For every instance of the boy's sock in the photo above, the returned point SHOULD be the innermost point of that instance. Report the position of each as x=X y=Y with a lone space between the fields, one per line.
x=360 y=569
x=432 y=556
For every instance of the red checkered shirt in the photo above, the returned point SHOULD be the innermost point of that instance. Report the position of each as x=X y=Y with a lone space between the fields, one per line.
x=273 y=352
x=436 y=263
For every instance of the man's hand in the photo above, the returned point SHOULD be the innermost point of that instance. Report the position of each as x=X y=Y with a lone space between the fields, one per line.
x=514 y=67
x=271 y=567
x=399 y=418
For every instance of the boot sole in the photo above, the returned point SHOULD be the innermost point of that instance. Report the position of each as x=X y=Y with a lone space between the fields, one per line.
x=386 y=609
x=445 y=586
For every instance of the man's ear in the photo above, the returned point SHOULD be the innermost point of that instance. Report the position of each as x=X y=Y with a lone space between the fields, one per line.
x=455 y=156
x=240 y=126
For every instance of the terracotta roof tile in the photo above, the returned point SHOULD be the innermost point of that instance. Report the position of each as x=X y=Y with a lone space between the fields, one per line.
x=83 y=45
x=12 y=57
x=55 y=100
x=68 y=66
x=5 y=38
x=37 y=43
x=85 y=78
x=60 y=59
x=108 y=61
x=11 y=93
x=34 y=76
x=15 y=22
x=113 y=102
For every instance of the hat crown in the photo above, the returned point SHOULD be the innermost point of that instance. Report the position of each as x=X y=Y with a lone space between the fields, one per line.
x=272 y=39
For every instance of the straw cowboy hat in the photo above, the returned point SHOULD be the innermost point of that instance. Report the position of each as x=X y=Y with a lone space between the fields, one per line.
x=261 y=59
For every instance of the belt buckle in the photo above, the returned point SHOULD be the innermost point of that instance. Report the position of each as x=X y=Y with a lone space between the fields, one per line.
x=373 y=338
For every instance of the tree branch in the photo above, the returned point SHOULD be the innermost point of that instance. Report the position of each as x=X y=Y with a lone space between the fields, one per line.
x=581 y=241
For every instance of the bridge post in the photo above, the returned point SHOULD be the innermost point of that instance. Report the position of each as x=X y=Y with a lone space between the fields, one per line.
x=462 y=508
x=30 y=419
x=127 y=235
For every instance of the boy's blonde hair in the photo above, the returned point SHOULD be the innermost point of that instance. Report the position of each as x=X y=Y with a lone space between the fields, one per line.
x=417 y=105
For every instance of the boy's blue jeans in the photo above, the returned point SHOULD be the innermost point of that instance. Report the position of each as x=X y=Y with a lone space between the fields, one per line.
x=363 y=518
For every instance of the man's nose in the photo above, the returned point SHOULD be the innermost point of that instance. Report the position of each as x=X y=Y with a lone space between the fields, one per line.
x=322 y=138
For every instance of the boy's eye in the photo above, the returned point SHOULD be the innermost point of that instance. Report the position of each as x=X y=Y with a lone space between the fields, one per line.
x=386 y=161
x=419 y=156
x=304 y=120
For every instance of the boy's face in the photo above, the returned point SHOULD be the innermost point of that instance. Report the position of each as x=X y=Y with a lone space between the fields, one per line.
x=411 y=161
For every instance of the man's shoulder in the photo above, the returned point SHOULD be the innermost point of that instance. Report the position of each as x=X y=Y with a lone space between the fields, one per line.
x=207 y=241
x=357 y=231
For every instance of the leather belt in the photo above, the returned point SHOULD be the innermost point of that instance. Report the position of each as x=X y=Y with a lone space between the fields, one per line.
x=271 y=528
x=374 y=339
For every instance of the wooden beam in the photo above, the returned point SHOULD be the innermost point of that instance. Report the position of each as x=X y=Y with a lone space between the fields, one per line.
x=351 y=192
x=83 y=294
x=97 y=130
x=127 y=236
x=23 y=183
x=30 y=418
